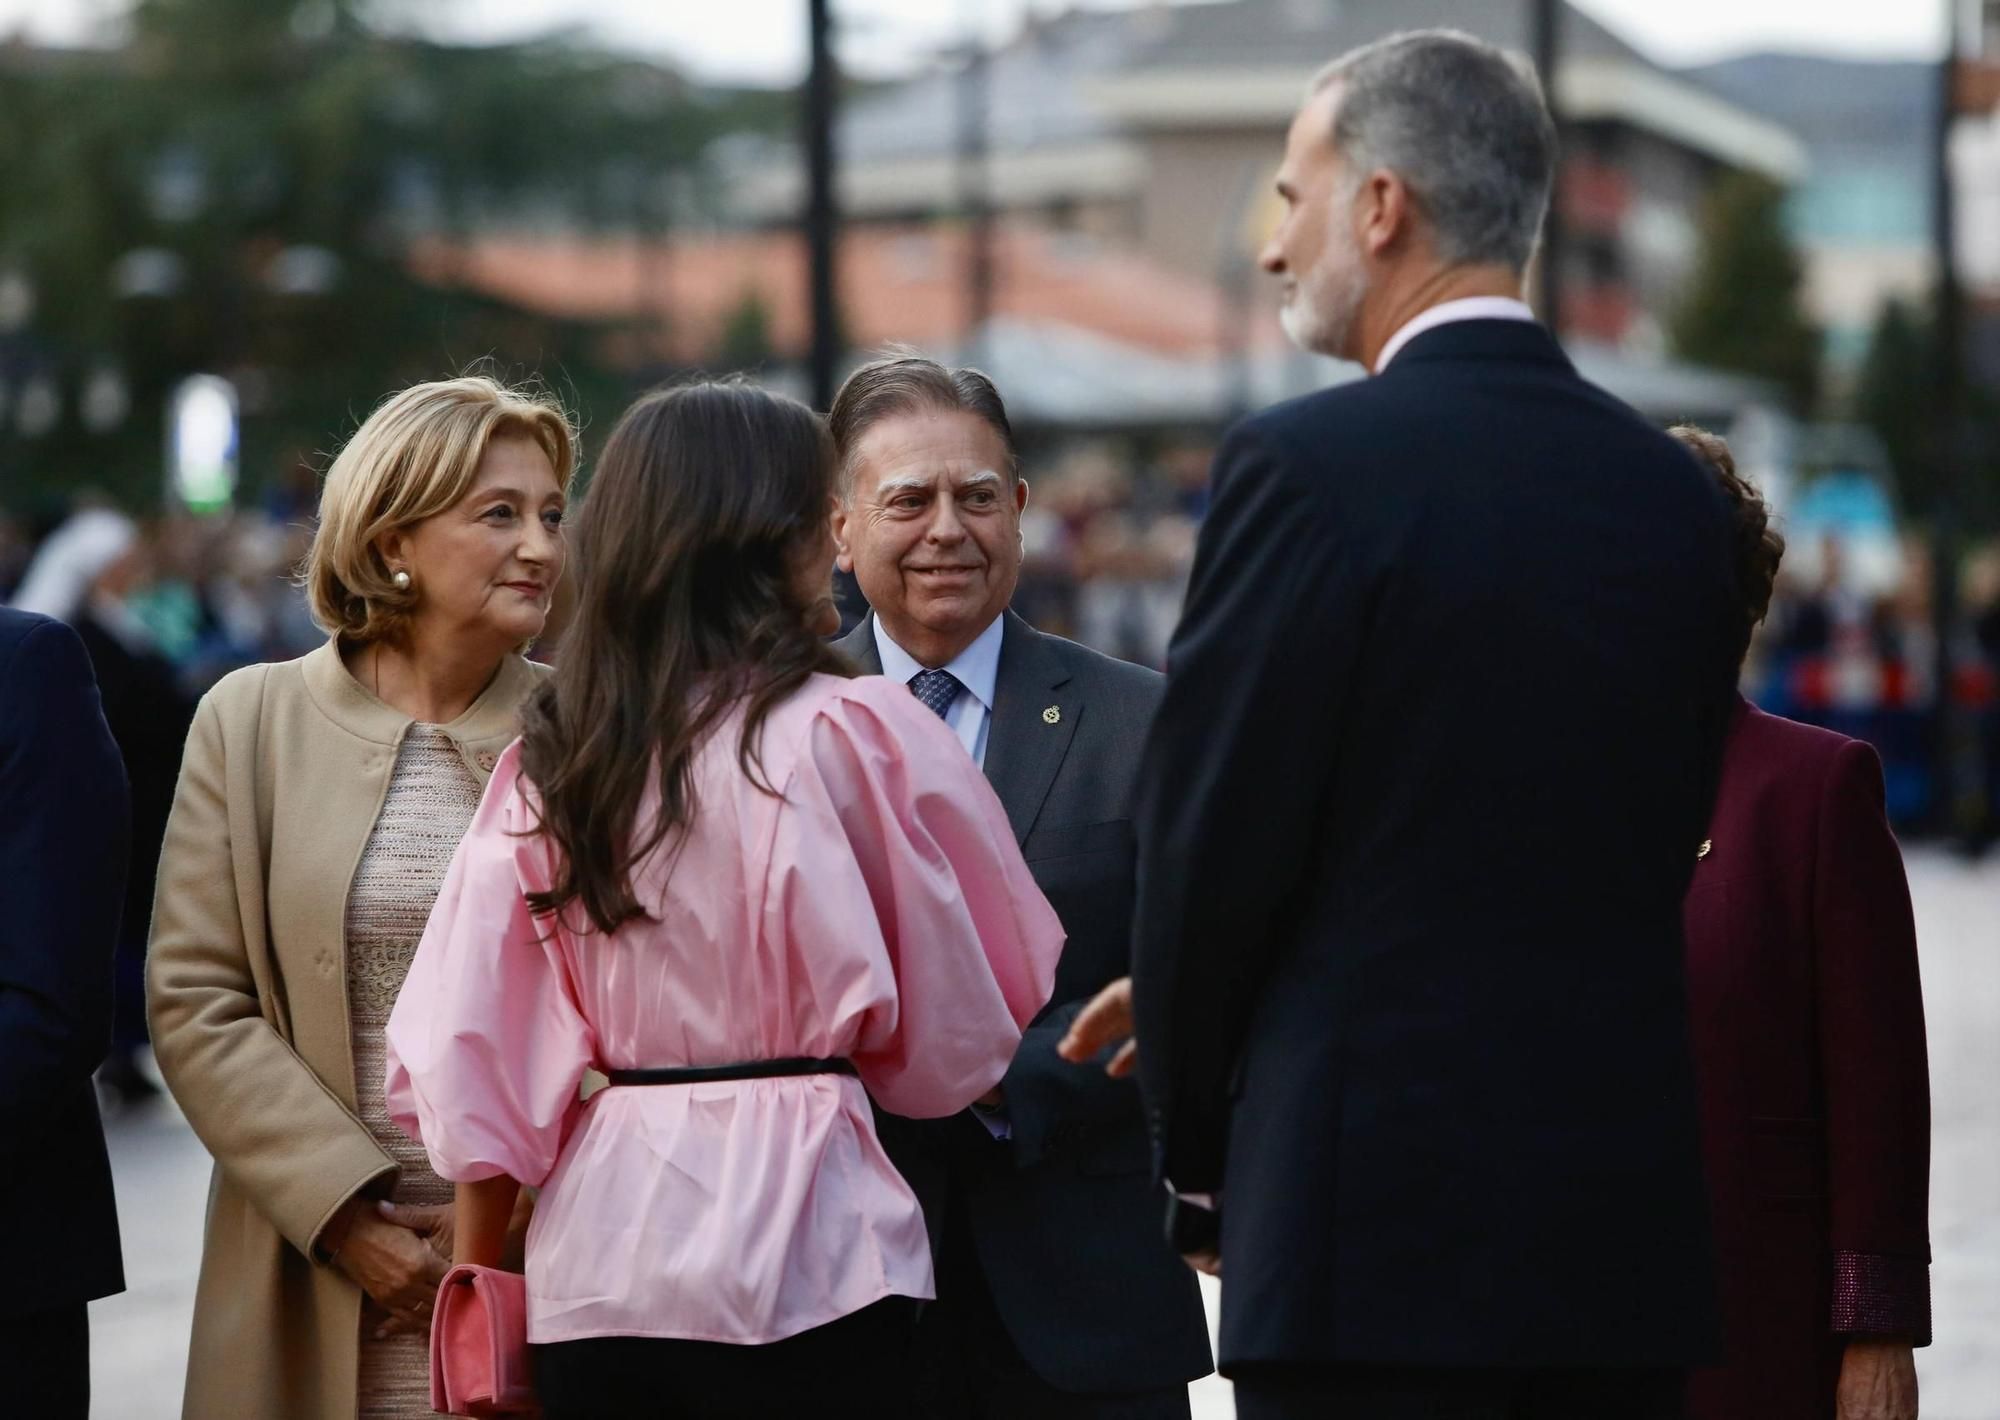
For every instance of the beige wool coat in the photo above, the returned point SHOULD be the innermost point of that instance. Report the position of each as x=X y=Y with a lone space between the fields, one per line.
x=286 y=769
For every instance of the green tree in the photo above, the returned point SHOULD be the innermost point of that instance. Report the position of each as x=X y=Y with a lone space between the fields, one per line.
x=745 y=342
x=1892 y=395
x=275 y=190
x=1742 y=311
x=1896 y=395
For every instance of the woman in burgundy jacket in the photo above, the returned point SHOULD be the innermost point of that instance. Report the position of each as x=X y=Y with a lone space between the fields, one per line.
x=1809 y=1042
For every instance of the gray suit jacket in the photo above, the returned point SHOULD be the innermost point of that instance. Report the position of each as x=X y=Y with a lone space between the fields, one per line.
x=1064 y=1216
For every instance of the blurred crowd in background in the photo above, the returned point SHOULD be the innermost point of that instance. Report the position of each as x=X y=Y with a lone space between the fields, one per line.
x=1851 y=642
x=203 y=594
x=1863 y=660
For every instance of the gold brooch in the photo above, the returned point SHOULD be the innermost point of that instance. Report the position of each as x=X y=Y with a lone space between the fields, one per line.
x=1052 y=715
x=1702 y=852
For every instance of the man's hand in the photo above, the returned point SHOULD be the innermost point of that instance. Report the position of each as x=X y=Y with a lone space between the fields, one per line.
x=1105 y=1021
x=1878 y=1381
x=394 y=1264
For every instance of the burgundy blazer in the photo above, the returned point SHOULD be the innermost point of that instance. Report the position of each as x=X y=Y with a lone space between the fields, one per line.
x=1809 y=1042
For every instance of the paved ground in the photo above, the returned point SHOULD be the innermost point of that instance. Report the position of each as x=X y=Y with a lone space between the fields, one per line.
x=1958 y=927
x=140 y=1338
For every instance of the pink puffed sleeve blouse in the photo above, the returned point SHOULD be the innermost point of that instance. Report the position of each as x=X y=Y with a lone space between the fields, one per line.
x=878 y=910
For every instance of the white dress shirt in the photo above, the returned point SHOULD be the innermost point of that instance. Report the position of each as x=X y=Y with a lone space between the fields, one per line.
x=977 y=669
x=1469 y=308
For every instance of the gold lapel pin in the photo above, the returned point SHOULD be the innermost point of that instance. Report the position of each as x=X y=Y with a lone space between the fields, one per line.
x=1052 y=715
x=1703 y=851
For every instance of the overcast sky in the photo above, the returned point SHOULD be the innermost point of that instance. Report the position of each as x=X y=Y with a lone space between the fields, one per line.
x=763 y=40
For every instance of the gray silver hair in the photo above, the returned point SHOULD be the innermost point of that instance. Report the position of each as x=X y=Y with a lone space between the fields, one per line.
x=1464 y=125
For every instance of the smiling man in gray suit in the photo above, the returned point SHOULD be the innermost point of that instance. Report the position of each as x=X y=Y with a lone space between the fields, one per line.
x=1057 y=1295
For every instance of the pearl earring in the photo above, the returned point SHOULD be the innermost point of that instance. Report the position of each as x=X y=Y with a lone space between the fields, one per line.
x=402 y=580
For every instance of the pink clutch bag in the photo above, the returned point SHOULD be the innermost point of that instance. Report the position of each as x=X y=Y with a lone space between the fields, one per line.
x=479 y=1344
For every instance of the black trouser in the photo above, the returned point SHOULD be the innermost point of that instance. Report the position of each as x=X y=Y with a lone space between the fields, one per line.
x=1421 y=1393
x=45 y=1359
x=968 y=1367
x=858 y=1365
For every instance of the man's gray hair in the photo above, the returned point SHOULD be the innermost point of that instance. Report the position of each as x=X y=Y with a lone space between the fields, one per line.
x=1463 y=124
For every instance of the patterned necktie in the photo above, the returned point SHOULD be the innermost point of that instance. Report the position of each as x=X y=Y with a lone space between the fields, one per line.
x=937 y=689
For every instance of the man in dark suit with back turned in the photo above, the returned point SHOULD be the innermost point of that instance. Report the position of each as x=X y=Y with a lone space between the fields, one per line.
x=64 y=819
x=1057 y=1296
x=1440 y=732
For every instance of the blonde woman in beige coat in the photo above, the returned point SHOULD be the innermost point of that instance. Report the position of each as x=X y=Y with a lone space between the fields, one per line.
x=319 y=804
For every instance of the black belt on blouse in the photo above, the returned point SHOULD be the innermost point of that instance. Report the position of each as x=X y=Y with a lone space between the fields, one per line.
x=743 y=1070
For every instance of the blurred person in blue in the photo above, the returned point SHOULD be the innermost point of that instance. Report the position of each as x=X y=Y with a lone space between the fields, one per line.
x=1407 y=965
x=320 y=801
x=1057 y=1295
x=64 y=822
x=260 y=612
x=86 y=574
x=222 y=594
x=1808 y=1019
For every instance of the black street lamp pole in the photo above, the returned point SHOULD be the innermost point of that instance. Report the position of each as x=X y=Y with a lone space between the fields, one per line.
x=821 y=218
x=1546 y=20
x=975 y=196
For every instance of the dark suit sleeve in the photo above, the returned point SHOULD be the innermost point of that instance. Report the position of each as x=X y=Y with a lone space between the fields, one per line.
x=1871 y=1034
x=1049 y=1099
x=64 y=825
x=1235 y=772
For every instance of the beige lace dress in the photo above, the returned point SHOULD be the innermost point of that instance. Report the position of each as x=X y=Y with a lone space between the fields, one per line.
x=431 y=799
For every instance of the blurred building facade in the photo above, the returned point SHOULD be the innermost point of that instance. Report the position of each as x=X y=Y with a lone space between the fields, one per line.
x=1160 y=130
x=1862 y=213
x=1127 y=159
x=1975 y=159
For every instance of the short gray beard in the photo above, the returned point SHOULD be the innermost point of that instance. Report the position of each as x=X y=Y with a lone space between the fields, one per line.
x=1327 y=299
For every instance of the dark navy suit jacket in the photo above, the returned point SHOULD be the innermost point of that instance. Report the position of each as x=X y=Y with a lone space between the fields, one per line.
x=1439 y=739
x=1809 y=1042
x=64 y=824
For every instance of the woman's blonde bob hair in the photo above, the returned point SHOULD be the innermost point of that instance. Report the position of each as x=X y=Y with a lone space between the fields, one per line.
x=413 y=458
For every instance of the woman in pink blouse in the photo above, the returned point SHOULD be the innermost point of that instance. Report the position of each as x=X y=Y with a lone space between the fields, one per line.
x=753 y=892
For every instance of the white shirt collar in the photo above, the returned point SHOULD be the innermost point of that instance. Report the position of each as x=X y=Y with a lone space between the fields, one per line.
x=977 y=667
x=1469 y=308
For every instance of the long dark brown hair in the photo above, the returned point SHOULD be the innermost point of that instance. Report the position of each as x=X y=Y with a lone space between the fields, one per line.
x=703 y=501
